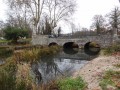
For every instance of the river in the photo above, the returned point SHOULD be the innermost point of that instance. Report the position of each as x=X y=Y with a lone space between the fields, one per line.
x=63 y=64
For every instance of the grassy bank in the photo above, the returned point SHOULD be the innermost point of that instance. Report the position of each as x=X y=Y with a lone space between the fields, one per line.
x=111 y=79
x=72 y=84
x=15 y=74
x=7 y=75
x=111 y=50
x=4 y=41
x=65 y=84
x=34 y=54
x=6 y=52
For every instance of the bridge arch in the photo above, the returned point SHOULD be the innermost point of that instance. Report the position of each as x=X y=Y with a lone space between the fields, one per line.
x=52 y=44
x=70 y=48
x=69 y=45
x=92 y=48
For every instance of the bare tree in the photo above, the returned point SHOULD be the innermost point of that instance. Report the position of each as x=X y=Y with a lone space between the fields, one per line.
x=58 y=10
x=73 y=27
x=114 y=20
x=18 y=14
x=31 y=8
x=98 y=23
x=54 y=10
x=47 y=28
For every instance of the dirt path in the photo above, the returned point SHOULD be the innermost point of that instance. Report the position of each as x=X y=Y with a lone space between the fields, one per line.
x=93 y=71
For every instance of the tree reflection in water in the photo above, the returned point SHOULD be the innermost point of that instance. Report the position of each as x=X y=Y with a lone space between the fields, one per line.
x=48 y=69
x=37 y=73
x=51 y=67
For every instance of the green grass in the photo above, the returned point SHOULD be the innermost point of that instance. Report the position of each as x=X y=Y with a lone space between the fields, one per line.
x=21 y=41
x=108 y=79
x=24 y=41
x=4 y=41
x=72 y=84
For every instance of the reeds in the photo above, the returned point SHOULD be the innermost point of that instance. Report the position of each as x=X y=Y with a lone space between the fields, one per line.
x=6 y=52
x=34 y=54
x=15 y=74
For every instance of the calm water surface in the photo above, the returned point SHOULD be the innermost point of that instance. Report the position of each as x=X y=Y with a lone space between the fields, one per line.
x=62 y=64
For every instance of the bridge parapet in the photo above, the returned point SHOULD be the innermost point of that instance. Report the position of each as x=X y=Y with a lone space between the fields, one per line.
x=102 y=40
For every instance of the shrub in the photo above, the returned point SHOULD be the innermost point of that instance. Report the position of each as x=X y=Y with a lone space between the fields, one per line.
x=13 y=33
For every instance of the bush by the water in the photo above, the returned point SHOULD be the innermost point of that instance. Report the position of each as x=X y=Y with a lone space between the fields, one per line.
x=13 y=33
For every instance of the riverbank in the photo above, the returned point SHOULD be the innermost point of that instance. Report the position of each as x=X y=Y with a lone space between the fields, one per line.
x=15 y=73
x=93 y=71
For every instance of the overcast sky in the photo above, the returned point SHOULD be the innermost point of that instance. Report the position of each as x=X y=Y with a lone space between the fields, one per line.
x=3 y=9
x=86 y=9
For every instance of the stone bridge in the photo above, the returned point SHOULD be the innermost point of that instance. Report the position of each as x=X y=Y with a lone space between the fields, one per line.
x=102 y=40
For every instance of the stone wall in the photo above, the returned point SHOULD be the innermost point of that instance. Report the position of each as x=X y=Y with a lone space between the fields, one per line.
x=40 y=40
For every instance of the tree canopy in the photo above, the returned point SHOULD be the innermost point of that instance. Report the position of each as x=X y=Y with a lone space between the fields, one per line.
x=14 y=33
x=37 y=11
x=98 y=23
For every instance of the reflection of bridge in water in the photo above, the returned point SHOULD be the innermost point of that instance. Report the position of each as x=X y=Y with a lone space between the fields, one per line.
x=62 y=64
x=78 y=56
